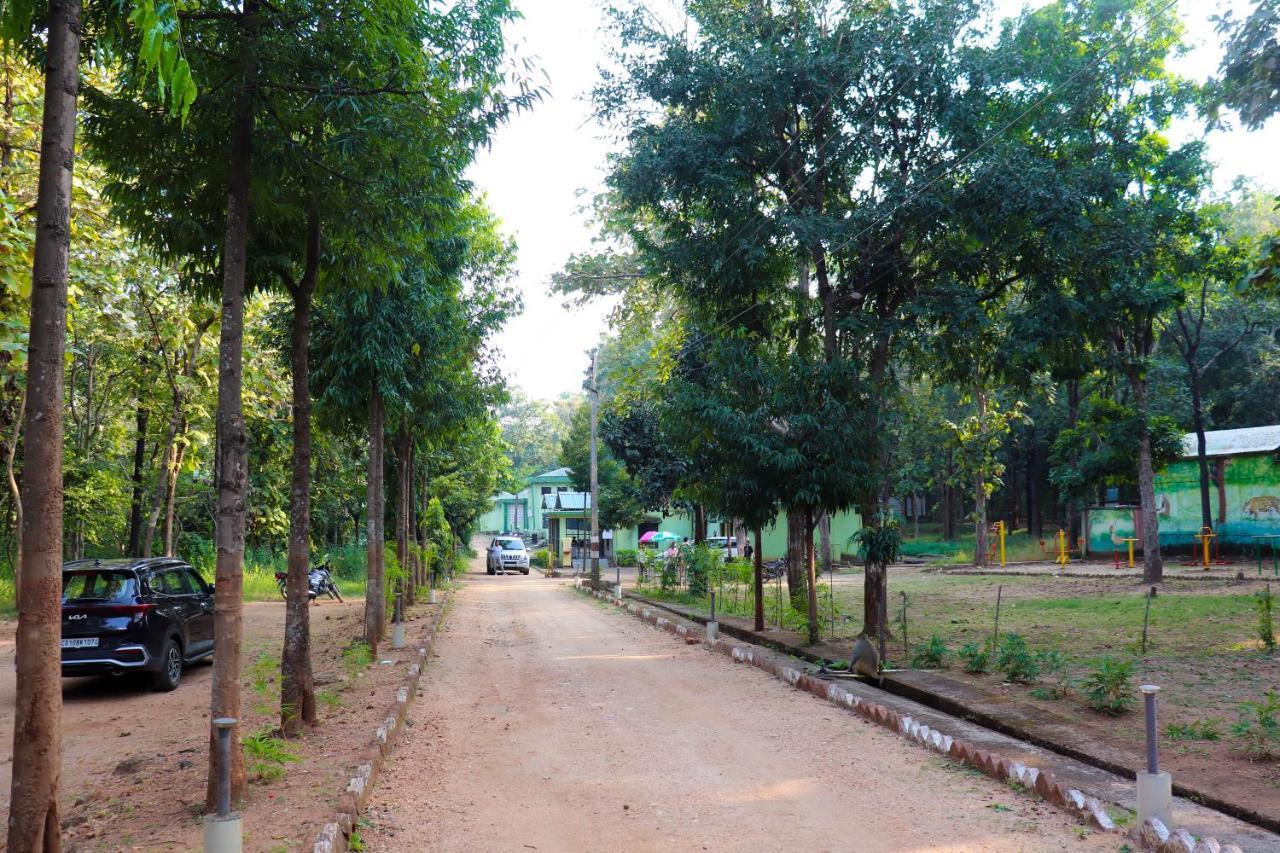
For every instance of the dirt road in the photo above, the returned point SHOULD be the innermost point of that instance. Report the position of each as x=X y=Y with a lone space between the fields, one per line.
x=550 y=722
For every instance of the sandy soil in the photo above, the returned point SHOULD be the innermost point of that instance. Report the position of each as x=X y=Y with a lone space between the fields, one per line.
x=134 y=761
x=550 y=722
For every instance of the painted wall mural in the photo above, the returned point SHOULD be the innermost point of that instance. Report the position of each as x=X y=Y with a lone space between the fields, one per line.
x=1244 y=499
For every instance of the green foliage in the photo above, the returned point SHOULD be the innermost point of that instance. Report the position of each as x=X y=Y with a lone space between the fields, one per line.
x=878 y=545
x=627 y=557
x=932 y=654
x=975 y=657
x=701 y=563
x=356 y=658
x=265 y=756
x=1210 y=729
x=1266 y=621
x=1016 y=661
x=541 y=559
x=1257 y=730
x=1108 y=686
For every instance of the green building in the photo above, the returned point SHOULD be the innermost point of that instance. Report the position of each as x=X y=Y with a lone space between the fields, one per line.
x=548 y=510
x=1244 y=473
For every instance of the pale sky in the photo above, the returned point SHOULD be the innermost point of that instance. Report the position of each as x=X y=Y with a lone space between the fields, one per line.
x=547 y=163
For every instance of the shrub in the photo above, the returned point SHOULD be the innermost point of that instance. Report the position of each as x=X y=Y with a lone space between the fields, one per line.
x=670 y=575
x=1258 y=729
x=1266 y=625
x=265 y=756
x=541 y=559
x=1210 y=728
x=930 y=655
x=1015 y=660
x=703 y=562
x=626 y=557
x=975 y=658
x=1108 y=688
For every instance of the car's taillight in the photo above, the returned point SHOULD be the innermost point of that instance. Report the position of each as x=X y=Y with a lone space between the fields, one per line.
x=109 y=610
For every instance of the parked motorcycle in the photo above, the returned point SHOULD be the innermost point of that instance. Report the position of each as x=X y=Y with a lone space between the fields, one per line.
x=319 y=582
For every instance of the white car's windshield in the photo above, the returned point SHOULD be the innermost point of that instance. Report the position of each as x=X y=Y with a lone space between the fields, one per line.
x=509 y=544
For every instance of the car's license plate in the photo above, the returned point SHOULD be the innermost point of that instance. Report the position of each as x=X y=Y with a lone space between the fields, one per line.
x=80 y=643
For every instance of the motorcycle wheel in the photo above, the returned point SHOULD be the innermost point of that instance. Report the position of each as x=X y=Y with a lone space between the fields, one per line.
x=284 y=593
x=333 y=591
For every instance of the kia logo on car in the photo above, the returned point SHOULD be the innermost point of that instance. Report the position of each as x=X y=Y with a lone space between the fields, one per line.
x=77 y=616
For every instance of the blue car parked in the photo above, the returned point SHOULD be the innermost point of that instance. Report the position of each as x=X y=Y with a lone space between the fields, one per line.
x=152 y=616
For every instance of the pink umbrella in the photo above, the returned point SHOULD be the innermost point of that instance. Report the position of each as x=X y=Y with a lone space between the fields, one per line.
x=649 y=536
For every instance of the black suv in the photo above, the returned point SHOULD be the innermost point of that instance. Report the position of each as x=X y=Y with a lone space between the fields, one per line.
x=151 y=615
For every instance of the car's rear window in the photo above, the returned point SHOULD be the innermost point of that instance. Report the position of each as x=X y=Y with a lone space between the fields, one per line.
x=111 y=585
x=511 y=544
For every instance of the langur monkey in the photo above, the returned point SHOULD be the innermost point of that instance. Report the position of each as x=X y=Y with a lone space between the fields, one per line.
x=864 y=660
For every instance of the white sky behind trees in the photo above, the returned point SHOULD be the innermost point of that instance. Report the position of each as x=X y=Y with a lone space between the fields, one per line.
x=545 y=165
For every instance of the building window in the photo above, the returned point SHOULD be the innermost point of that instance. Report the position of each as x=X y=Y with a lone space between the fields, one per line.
x=546 y=490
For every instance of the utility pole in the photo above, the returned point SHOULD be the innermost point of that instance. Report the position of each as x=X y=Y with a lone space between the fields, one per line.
x=595 y=491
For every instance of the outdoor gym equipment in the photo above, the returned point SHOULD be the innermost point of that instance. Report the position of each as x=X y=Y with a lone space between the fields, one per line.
x=1205 y=536
x=1258 y=542
x=1129 y=540
x=1062 y=552
x=996 y=546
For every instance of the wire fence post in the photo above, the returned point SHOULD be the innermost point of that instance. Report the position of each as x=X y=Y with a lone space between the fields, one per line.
x=995 y=634
x=906 y=654
x=1146 y=618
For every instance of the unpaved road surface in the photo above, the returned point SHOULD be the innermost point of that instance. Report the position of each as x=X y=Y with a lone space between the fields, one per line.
x=549 y=721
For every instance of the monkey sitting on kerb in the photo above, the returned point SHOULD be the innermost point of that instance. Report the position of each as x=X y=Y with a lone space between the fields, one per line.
x=864 y=660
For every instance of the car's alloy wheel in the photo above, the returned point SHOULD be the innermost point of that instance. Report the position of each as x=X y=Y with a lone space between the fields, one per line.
x=170 y=674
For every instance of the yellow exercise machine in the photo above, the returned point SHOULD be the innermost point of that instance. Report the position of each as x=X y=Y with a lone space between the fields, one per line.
x=1205 y=536
x=1062 y=553
x=996 y=546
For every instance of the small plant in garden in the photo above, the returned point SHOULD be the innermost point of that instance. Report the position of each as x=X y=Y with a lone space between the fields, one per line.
x=1266 y=623
x=975 y=658
x=626 y=557
x=930 y=655
x=1108 y=687
x=1210 y=728
x=356 y=657
x=265 y=756
x=1258 y=729
x=540 y=559
x=1052 y=663
x=670 y=575
x=1016 y=661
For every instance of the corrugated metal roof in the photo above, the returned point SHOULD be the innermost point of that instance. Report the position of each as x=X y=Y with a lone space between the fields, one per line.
x=554 y=474
x=1234 y=442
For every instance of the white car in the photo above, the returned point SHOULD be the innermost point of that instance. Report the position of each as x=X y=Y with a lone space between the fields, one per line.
x=507 y=553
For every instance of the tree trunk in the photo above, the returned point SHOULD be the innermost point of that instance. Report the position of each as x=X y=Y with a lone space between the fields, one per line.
x=171 y=498
x=158 y=499
x=15 y=494
x=980 y=494
x=402 y=517
x=797 y=556
x=232 y=467
x=1035 y=512
x=139 y=458
x=1073 y=420
x=758 y=559
x=374 y=596
x=812 y=582
x=37 y=736
x=297 y=688
x=1197 y=424
x=824 y=540
x=699 y=524
x=1152 y=564
x=410 y=517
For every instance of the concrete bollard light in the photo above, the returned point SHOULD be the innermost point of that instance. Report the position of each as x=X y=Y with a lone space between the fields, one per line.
x=431 y=595
x=224 y=831
x=1155 y=789
x=397 y=635
x=713 y=630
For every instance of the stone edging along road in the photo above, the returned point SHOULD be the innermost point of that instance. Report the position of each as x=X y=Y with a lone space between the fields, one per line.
x=1153 y=835
x=335 y=835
